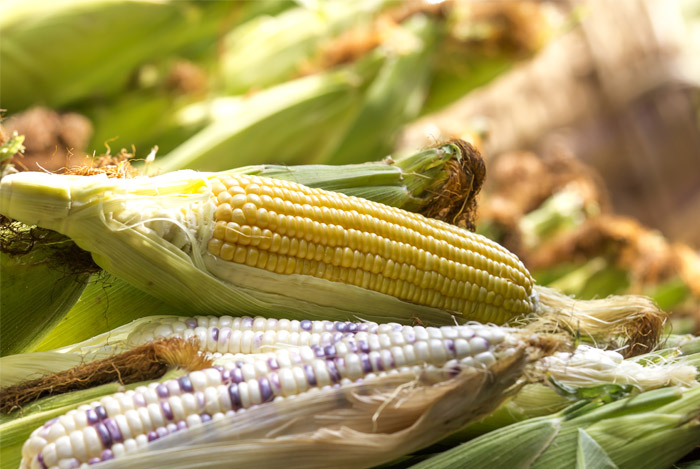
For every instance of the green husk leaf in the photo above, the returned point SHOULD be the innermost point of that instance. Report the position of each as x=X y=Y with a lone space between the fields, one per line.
x=42 y=277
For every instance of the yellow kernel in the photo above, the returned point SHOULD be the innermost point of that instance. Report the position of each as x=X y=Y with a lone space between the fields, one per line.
x=238 y=200
x=255 y=200
x=245 y=235
x=231 y=233
x=223 y=197
x=284 y=246
x=219 y=230
x=271 y=262
x=238 y=216
x=252 y=188
x=227 y=251
x=250 y=211
x=235 y=190
x=214 y=246
x=240 y=255
x=252 y=257
x=263 y=218
x=223 y=212
x=255 y=236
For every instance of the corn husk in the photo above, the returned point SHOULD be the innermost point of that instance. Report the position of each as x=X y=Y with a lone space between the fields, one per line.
x=624 y=434
x=36 y=291
x=57 y=53
x=305 y=120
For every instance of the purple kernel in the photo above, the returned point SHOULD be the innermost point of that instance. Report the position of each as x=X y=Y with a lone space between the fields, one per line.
x=239 y=363
x=340 y=326
x=364 y=346
x=317 y=350
x=328 y=326
x=352 y=346
x=215 y=333
x=182 y=425
x=55 y=419
x=191 y=323
x=352 y=327
x=305 y=324
x=272 y=364
x=199 y=395
x=235 y=396
x=104 y=435
x=363 y=327
x=451 y=346
x=92 y=416
x=161 y=431
x=340 y=362
x=162 y=391
x=113 y=430
x=333 y=371
x=167 y=411
x=257 y=340
x=265 y=390
x=387 y=359
x=376 y=358
x=329 y=351
x=205 y=417
x=171 y=427
x=366 y=364
x=40 y=460
x=185 y=384
x=219 y=368
x=107 y=455
x=372 y=329
x=237 y=375
x=102 y=413
x=275 y=380
x=92 y=461
x=454 y=371
x=247 y=322
x=310 y=375
x=139 y=400
x=337 y=337
x=224 y=335
x=226 y=376
x=152 y=436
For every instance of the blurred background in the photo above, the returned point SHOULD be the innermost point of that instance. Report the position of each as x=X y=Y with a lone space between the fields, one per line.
x=587 y=112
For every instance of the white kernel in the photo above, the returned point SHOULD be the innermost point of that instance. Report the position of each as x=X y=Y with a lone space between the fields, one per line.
x=130 y=445
x=422 y=351
x=247 y=341
x=478 y=345
x=141 y=441
x=283 y=359
x=234 y=342
x=118 y=450
x=398 y=356
x=321 y=371
x=189 y=403
x=421 y=333
x=300 y=378
x=248 y=371
x=177 y=408
x=282 y=337
x=201 y=332
x=397 y=338
x=307 y=355
x=56 y=430
x=111 y=405
x=438 y=353
x=462 y=348
x=485 y=358
x=156 y=415
x=409 y=353
x=78 y=443
x=254 y=391
x=92 y=442
x=244 y=394
x=49 y=455
x=163 y=330
x=213 y=376
x=211 y=401
x=353 y=366
x=198 y=380
x=64 y=449
x=37 y=443
x=373 y=342
x=384 y=341
x=123 y=426
x=259 y=324
x=289 y=385
x=385 y=328
x=145 y=418
x=434 y=332
x=134 y=421
x=284 y=325
x=125 y=402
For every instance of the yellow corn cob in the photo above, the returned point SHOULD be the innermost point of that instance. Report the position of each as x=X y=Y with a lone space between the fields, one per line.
x=228 y=243
x=288 y=228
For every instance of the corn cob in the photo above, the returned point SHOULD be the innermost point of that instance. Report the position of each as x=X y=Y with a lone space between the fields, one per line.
x=415 y=183
x=252 y=238
x=128 y=421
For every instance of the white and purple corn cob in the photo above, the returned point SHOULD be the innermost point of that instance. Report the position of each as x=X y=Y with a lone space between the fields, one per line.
x=342 y=355
x=224 y=335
